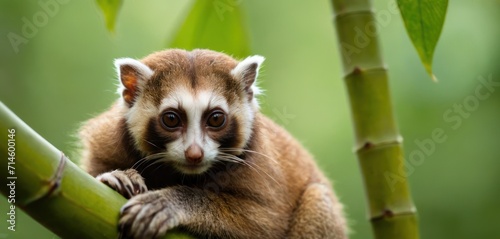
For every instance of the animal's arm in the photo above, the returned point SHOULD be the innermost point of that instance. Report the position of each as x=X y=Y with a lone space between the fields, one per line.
x=202 y=212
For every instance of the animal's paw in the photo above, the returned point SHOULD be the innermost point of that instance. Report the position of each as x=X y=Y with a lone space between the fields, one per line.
x=128 y=183
x=149 y=215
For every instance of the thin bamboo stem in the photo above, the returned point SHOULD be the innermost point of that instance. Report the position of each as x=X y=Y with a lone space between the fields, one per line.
x=377 y=140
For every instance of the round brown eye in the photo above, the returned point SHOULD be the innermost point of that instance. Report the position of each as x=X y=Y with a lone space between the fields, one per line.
x=171 y=120
x=216 y=119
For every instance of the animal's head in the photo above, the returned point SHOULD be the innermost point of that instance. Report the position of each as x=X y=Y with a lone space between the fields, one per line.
x=189 y=109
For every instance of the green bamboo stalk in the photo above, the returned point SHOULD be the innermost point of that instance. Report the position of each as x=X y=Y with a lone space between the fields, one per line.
x=377 y=140
x=52 y=189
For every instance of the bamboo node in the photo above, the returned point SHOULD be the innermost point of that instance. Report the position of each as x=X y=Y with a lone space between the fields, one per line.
x=344 y=12
x=52 y=185
x=367 y=145
x=357 y=70
x=388 y=213
x=55 y=181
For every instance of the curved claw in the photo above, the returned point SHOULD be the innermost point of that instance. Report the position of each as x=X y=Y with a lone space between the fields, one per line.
x=148 y=216
x=128 y=183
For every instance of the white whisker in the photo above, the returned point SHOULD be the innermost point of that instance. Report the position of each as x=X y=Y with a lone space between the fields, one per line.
x=247 y=151
x=149 y=142
x=159 y=161
x=232 y=158
x=147 y=158
x=149 y=161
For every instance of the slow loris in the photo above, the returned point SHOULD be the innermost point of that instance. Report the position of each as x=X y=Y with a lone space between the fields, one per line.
x=187 y=145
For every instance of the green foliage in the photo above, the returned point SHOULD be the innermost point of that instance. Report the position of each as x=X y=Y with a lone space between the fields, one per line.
x=53 y=84
x=424 y=20
x=110 y=9
x=214 y=25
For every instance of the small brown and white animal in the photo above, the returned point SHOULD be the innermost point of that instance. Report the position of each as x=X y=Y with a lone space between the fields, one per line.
x=187 y=145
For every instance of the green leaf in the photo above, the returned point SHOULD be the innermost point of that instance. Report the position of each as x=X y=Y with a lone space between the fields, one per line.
x=110 y=10
x=424 y=21
x=216 y=25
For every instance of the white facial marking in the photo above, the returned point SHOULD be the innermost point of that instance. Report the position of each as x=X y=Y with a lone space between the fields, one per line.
x=194 y=107
x=138 y=117
x=142 y=110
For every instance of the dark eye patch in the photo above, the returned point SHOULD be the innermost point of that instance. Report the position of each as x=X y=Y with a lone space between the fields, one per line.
x=229 y=137
x=155 y=137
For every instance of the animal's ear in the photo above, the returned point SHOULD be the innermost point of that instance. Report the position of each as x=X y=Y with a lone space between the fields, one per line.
x=247 y=71
x=132 y=74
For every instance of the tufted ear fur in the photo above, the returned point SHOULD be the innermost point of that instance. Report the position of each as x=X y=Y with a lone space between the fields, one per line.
x=247 y=71
x=132 y=74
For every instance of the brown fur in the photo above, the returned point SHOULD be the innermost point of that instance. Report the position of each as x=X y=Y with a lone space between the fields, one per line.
x=279 y=193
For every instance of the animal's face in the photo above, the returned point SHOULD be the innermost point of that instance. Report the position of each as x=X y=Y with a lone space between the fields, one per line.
x=189 y=109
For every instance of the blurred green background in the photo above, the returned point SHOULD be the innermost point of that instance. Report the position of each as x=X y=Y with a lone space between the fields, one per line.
x=64 y=75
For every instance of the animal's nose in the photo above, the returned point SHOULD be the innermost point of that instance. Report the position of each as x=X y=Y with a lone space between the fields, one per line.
x=194 y=154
